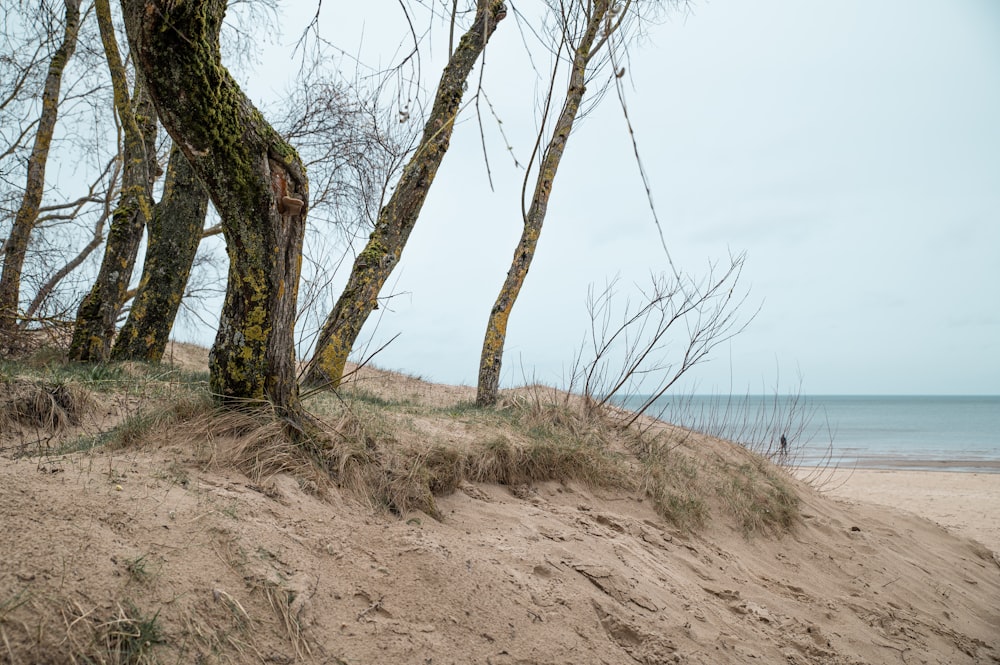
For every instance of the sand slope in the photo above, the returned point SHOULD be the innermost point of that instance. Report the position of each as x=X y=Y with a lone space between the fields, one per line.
x=967 y=503
x=556 y=573
x=560 y=575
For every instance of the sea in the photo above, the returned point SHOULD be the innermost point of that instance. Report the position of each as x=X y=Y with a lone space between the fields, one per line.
x=917 y=432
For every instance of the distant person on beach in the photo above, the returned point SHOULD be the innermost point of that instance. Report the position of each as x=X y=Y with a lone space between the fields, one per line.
x=784 y=444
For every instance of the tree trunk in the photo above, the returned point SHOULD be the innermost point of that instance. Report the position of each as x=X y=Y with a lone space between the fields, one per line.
x=256 y=181
x=16 y=247
x=496 y=328
x=396 y=220
x=173 y=239
x=98 y=313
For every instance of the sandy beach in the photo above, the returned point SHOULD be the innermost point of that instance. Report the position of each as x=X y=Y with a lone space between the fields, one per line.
x=968 y=504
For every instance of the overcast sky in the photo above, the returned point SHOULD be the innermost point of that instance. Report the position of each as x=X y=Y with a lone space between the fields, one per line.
x=851 y=148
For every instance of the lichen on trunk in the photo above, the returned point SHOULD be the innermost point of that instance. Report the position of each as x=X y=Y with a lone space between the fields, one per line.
x=396 y=220
x=97 y=315
x=256 y=181
x=174 y=234
x=490 y=360
x=16 y=247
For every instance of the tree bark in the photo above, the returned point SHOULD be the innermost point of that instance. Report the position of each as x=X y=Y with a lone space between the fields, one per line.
x=173 y=238
x=396 y=220
x=256 y=182
x=98 y=313
x=496 y=328
x=16 y=246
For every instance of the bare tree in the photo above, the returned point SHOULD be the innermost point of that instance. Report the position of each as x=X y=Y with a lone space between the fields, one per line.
x=348 y=148
x=24 y=59
x=95 y=321
x=586 y=32
x=348 y=143
x=15 y=247
x=256 y=181
x=354 y=145
x=397 y=218
x=109 y=179
x=83 y=151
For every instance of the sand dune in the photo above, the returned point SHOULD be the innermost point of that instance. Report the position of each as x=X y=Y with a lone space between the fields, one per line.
x=236 y=571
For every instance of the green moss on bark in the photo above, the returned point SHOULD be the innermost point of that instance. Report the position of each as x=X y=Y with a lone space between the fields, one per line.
x=396 y=220
x=16 y=247
x=247 y=169
x=174 y=236
x=97 y=315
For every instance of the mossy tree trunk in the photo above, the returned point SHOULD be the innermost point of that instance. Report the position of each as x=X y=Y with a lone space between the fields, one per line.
x=174 y=234
x=96 y=317
x=16 y=246
x=396 y=220
x=256 y=182
x=596 y=28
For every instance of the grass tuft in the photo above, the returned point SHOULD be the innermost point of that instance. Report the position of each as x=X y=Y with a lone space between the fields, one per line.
x=672 y=481
x=129 y=638
x=137 y=429
x=377 y=449
x=687 y=487
x=759 y=498
x=50 y=406
x=253 y=439
x=139 y=569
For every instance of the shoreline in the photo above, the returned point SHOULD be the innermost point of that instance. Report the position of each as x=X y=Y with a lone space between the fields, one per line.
x=967 y=503
x=895 y=463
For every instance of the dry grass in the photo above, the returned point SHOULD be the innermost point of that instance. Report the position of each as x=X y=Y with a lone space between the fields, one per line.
x=49 y=406
x=691 y=478
x=760 y=499
x=282 y=602
x=375 y=449
x=72 y=634
x=253 y=439
x=128 y=638
x=679 y=490
x=396 y=452
x=394 y=465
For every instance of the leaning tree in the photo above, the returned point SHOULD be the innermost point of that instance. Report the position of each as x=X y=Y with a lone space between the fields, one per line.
x=98 y=312
x=174 y=233
x=397 y=218
x=586 y=32
x=16 y=246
